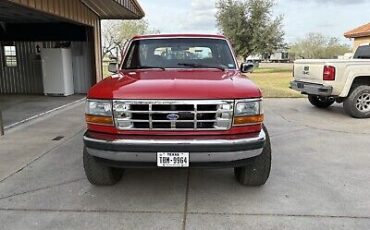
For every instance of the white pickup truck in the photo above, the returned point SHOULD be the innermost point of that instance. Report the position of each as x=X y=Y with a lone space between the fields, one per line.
x=326 y=81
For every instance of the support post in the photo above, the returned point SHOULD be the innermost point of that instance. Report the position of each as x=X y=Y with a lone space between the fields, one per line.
x=1 y=124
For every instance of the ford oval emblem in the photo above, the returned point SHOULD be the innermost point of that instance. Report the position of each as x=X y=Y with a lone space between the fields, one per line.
x=173 y=116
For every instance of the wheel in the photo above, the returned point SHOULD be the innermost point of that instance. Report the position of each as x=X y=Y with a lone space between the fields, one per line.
x=257 y=171
x=99 y=174
x=321 y=102
x=358 y=103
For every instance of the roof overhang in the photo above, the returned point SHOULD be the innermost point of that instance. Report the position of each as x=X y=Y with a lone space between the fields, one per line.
x=116 y=9
x=362 y=31
x=16 y=13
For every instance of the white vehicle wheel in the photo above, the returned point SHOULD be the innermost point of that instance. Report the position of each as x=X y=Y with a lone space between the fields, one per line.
x=358 y=103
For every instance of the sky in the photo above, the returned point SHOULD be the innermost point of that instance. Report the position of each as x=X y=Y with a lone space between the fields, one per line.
x=330 y=17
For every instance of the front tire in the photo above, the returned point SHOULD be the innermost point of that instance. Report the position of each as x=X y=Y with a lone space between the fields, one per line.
x=257 y=171
x=99 y=174
x=357 y=104
x=320 y=102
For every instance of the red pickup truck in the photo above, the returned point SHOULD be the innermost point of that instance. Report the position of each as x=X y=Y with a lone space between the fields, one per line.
x=176 y=101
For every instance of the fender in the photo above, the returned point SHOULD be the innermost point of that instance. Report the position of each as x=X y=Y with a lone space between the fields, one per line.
x=348 y=86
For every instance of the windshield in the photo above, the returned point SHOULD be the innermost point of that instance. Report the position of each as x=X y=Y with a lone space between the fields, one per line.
x=179 y=53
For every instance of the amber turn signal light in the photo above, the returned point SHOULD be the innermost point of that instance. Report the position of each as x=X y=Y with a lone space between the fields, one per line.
x=99 y=120
x=245 y=120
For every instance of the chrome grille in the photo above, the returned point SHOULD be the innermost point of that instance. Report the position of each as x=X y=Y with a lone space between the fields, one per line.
x=173 y=114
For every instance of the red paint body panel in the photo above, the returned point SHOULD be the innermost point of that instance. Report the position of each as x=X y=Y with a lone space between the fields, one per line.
x=179 y=35
x=232 y=131
x=173 y=84
x=189 y=84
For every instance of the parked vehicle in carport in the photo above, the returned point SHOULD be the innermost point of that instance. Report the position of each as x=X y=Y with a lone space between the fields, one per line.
x=176 y=101
x=326 y=81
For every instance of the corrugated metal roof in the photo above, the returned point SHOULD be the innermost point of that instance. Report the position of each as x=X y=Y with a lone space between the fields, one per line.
x=115 y=9
x=362 y=31
x=13 y=13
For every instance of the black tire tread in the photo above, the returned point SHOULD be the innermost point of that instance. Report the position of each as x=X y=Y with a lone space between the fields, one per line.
x=314 y=100
x=349 y=104
x=99 y=174
x=257 y=171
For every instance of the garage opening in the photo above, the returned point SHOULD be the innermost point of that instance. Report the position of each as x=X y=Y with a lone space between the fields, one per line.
x=53 y=48
x=42 y=55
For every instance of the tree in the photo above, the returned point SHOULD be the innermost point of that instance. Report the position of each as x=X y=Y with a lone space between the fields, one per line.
x=317 y=45
x=250 y=26
x=117 y=33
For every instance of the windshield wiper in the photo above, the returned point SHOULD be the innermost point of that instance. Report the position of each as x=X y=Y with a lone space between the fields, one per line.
x=150 y=67
x=195 y=65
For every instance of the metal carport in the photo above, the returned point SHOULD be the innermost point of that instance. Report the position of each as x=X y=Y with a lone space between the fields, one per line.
x=26 y=26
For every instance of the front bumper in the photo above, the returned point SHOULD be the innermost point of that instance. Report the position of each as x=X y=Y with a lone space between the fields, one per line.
x=202 y=152
x=311 y=89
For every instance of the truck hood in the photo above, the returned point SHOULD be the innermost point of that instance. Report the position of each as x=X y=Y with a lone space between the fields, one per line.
x=176 y=84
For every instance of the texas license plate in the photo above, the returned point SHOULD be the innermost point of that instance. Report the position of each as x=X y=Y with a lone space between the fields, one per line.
x=172 y=159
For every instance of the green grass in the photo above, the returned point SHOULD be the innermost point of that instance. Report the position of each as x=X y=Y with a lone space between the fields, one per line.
x=106 y=73
x=272 y=70
x=275 y=84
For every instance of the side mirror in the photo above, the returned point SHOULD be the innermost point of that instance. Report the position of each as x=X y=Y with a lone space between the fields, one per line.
x=113 y=67
x=246 y=67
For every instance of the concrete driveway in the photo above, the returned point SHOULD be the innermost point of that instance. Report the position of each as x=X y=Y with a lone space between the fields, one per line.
x=319 y=180
x=17 y=108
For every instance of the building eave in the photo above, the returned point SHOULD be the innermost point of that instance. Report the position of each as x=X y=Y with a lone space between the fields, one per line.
x=358 y=35
x=359 y=32
x=115 y=9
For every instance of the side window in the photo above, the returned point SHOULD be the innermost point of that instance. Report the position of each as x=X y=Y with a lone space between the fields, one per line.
x=10 y=54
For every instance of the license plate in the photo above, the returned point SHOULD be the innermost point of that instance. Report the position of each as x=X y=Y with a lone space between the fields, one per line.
x=172 y=160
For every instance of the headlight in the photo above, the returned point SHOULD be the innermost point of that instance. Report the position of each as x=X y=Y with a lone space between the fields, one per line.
x=248 y=112
x=248 y=107
x=99 y=107
x=99 y=112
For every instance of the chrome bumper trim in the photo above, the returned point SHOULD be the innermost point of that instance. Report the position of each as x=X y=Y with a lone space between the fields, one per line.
x=251 y=147
x=195 y=157
x=313 y=89
x=159 y=142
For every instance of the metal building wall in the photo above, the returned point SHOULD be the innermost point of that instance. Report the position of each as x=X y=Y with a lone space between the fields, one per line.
x=26 y=78
x=360 y=41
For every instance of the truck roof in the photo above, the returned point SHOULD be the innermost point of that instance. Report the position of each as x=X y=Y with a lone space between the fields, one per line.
x=153 y=36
